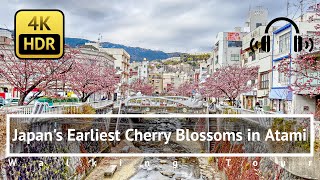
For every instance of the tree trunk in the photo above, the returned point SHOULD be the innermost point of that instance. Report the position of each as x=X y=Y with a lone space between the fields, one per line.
x=85 y=97
x=22 y=98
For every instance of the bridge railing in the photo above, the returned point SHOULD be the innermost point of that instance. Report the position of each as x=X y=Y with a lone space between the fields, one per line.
x=56 y=109
x=263 y=121
x=100 y=104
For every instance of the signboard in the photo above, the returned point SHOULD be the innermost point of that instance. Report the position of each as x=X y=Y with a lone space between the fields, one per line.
x=39 y=34
x=233 y=36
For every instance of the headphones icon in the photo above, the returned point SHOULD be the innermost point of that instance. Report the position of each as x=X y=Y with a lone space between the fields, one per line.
x=297 y=42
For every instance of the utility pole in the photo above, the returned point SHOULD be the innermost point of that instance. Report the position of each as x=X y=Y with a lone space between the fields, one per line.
x=301 y=10
x=287 y=8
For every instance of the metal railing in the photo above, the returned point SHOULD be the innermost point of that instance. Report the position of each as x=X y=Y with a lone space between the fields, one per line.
x=263 y=121
x=55 y=109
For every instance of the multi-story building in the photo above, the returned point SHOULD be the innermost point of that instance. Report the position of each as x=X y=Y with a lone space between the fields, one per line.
x=168 y=81
x=227 y=47
x=143 y=69
x=103 y=59
x=6 y=90
x=121 y=64
x=156 y=80
x=92 y=53
x=283 y=99
x=260 y=58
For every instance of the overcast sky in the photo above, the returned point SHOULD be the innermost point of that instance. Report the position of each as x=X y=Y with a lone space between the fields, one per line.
x=167 y=25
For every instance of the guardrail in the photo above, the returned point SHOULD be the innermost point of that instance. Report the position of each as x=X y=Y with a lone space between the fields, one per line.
x=263 y=121
x=55 y=109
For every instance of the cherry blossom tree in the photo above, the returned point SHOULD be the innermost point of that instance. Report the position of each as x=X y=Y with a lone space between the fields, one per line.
x=27 y=75
x=230 y=81
x=186 y=89
x=304 y=69
x=141 y=86
x=88 y=77
x=303 y=72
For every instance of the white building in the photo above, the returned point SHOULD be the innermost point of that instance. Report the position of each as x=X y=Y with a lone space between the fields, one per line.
x=260 y=58
x=283 y=100
x=227 y=47
x=143 y=69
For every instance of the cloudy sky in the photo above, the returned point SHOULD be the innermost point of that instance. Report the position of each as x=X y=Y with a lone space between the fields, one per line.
x=167 y=25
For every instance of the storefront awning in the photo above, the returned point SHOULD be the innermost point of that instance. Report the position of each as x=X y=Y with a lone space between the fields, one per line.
x=281 y=93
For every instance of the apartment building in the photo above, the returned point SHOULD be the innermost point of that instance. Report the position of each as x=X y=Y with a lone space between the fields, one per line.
x=121 y=64
x=260 y=58
x=143 y=69
x=228 y=45
x=283 y=99
x=156 y=80
x=168 y=81
x=103 y=59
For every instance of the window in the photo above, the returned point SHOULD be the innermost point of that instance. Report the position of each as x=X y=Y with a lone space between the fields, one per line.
x=264 y=80
x=258 y=24
x=234 y=43
x=284 y=42
x=282 y=79
x=235 y=57
x=253 y=55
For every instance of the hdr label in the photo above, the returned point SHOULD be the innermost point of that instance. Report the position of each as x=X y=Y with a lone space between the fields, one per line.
x=39 y=34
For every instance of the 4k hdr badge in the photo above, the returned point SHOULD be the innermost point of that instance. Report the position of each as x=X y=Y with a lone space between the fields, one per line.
x=39 y=34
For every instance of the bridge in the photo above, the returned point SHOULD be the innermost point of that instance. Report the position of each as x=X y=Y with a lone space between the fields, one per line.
x=163 y=105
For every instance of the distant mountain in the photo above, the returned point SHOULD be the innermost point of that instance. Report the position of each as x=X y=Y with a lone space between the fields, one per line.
x=136 y=53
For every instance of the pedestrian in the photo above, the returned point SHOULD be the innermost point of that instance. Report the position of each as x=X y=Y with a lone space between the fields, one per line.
x=257 y=107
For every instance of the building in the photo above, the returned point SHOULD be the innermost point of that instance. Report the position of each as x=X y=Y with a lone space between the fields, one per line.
x=143 y=69
x=121 y=64
x=6 y=33
x=228 y=45
x=6 y=89
x=283 y=99
x=168 y=81
x=155 y=79
x=92 y=53
x=103 y=59
x=260 y=58
x=227 y=49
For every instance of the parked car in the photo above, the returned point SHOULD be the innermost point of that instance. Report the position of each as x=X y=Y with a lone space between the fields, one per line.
x=13 y=101
x=2 y=101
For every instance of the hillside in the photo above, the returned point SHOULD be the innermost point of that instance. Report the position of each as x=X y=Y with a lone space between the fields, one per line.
x=136 y=53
